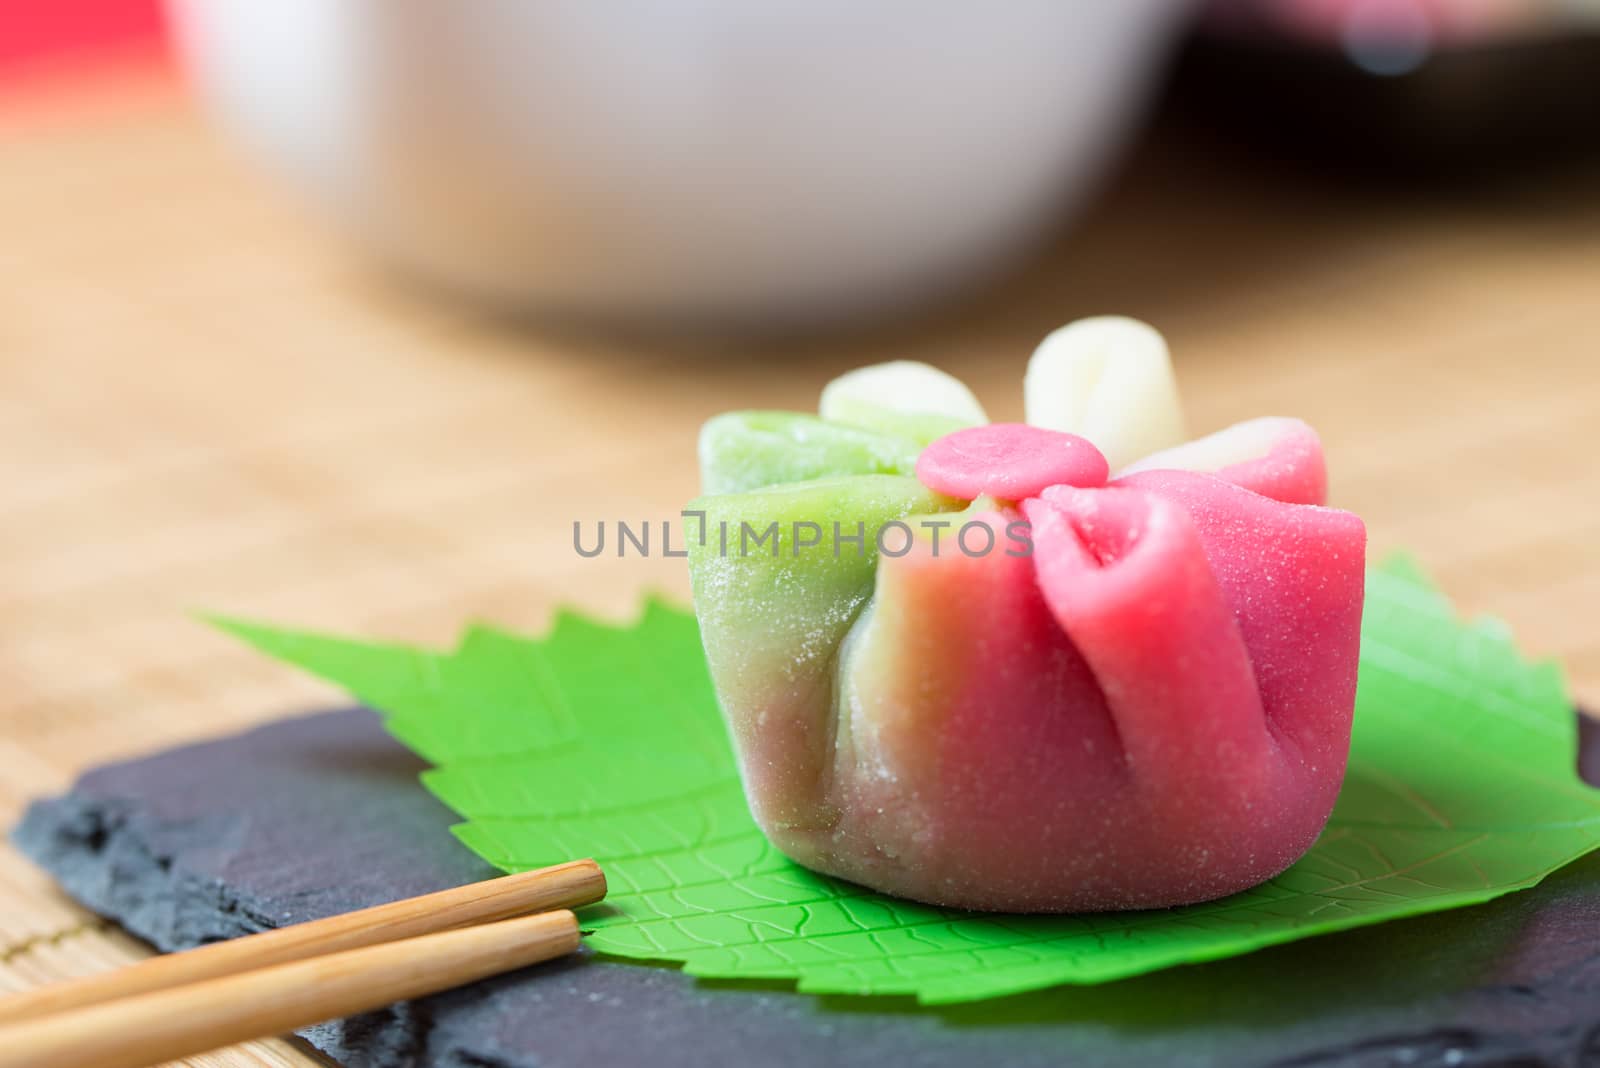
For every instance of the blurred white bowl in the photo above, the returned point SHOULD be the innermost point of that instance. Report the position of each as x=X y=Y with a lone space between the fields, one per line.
x=701 y=159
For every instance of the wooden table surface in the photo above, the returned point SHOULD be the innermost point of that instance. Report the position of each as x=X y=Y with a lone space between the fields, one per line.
x=206 y=402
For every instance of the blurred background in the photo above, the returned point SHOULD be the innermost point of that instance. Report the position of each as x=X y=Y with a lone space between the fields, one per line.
x=340 y=313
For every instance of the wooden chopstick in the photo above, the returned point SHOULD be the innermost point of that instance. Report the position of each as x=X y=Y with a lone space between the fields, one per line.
x=579 y=882
x=134 y=1032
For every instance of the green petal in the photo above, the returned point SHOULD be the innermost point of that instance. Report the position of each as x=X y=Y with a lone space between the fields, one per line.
x=743 y=451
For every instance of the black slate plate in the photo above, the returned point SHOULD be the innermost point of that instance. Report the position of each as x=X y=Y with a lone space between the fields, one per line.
x=318 y=815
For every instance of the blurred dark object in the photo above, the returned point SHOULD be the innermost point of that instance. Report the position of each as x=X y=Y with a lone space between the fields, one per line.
x=1408 y=85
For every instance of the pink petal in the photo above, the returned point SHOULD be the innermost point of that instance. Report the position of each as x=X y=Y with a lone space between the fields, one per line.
x=1294 y=577
x=1127 y=578
x=1276 y=457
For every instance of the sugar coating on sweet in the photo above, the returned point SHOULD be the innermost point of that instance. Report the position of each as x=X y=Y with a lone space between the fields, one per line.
x=1149 y=707
x=1010 y=461
x=1152 y=708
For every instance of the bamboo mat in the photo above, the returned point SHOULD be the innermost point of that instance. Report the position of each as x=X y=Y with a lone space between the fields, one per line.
x=207 y=403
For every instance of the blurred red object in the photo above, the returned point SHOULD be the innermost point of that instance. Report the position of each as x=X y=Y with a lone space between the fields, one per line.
x=54 y=36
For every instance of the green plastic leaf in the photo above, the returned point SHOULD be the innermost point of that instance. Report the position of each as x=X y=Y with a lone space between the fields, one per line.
x=606 y=741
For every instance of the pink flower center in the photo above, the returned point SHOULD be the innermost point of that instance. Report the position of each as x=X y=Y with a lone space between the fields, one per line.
x=1010 y=461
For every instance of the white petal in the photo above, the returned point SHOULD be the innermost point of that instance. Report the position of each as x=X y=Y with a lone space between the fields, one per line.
x=1108 y=379
x=903 y=387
